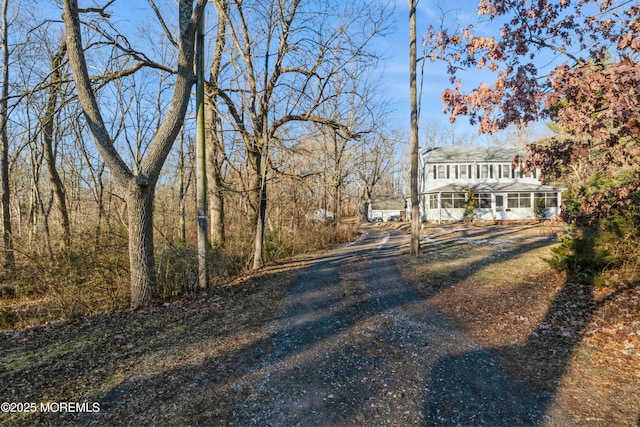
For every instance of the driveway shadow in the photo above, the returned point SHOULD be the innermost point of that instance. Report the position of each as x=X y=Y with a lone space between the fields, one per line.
x=473 y=388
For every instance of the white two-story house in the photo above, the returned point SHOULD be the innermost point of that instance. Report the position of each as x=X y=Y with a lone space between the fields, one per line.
x=502 y=191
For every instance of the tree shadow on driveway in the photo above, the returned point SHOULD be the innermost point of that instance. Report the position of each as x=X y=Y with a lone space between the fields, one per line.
x=472 y=389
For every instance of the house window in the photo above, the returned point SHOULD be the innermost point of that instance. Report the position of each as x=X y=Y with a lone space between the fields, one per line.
x=483 y=171
x=505 y=170
x=440 y=171
x=463 y=171
x=433 y=201
x=550 y=199
x=526 y=174
x=518 y=200
x=452 y=200
x=484 y=200
x=458 y=200
x=512 y=200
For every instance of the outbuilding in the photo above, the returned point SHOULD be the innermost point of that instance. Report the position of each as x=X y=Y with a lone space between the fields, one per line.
x=388 y=207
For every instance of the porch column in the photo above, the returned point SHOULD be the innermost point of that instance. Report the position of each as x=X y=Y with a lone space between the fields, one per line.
x=559 y=208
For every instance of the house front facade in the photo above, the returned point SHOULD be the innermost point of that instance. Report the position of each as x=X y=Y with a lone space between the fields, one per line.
x=503 y=192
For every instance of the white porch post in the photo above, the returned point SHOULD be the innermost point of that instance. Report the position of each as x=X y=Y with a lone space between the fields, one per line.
x=533 y=205
x=559 y=208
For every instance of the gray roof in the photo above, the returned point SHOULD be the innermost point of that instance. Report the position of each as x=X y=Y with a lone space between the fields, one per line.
x=471 y=154
x=389 y=202
x=496 y=187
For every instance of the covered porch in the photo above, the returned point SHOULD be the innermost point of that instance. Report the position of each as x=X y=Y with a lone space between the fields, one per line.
x=496 y=201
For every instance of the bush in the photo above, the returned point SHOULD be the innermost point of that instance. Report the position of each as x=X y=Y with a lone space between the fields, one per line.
x=539 y=210
x=86 y=279
x=582 y=259
x=471 y=205
x=178 y=270
x=278 y=245
x=604 y=253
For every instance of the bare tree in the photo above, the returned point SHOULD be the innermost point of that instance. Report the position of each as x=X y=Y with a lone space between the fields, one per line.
x=215 y=147
x=9 y=261
x=415 y=208
x=48 y=124
x=138 y=186
x=284 y=72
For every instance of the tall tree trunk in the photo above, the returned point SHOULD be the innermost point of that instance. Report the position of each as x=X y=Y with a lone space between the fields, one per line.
x=48 y=123
x=364 y=210
x=7 y=240
x=46 y=211
x=258 y=257
x=100 y=203
x=215 y=151
x=415 y=204
x=337 y=178
x=258 y=193
x=141 y=256
x=182 y=188
x=214 y=177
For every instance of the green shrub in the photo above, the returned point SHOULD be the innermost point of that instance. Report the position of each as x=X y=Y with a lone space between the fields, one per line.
x=539 y=209
x=609 y=249
x=471 y=205
x=581 y=258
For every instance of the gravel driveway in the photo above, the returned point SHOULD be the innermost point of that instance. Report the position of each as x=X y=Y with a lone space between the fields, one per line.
x=357 y=345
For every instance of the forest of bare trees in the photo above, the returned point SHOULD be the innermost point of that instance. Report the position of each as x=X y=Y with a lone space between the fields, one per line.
x=98 y=141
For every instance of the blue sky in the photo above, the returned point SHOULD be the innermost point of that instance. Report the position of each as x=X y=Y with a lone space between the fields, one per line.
x=396 y=69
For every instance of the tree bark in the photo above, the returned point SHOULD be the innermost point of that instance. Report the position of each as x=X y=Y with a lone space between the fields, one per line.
x=214 y=177
x=215 y=149
x=7 y=239
x=259 y=203
x=182 y=189
x=415 y=203
x=48 y=123
x=141 y=256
